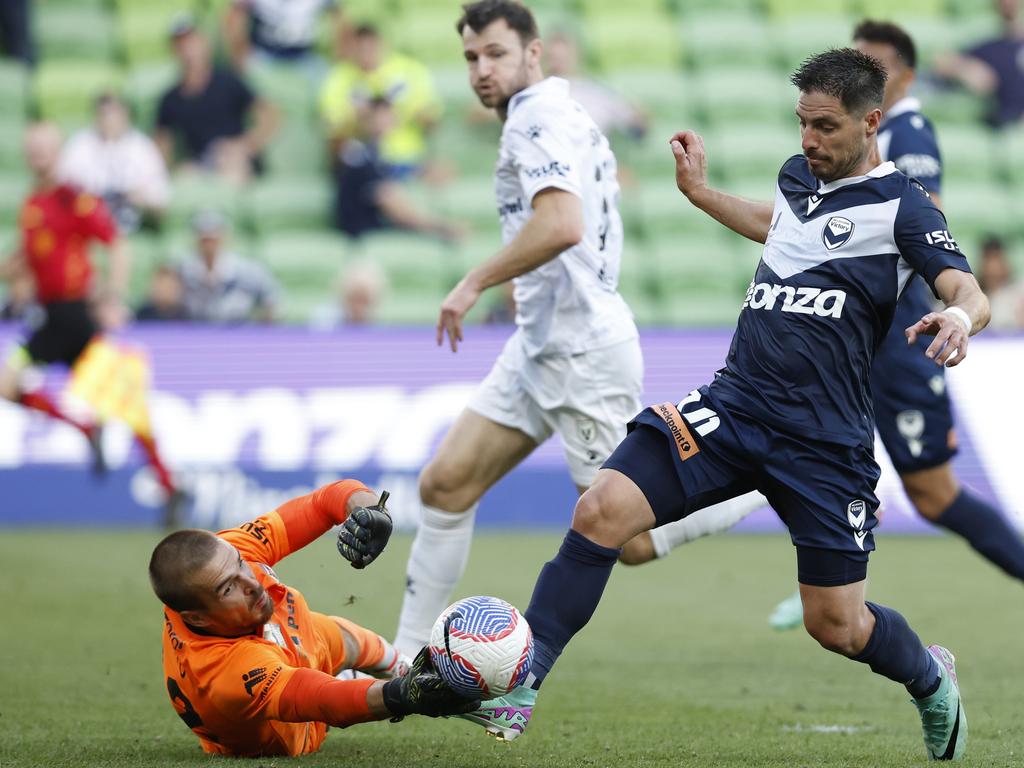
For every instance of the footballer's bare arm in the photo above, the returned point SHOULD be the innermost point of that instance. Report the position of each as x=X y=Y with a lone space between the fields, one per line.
x=966 y=313
x=750 y=218
x=555 y=226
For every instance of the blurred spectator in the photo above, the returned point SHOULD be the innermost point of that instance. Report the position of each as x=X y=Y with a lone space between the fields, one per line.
x=1005 y=296
x=16 y=31
x=206 y=113
x=165 y=298
x=218 y=285
x=360 y=292
x=276 y=32
x=119 y=163
x=367 y=195
x=993 y=68
x=609 y=109
x=374 y=73
x=20 y=298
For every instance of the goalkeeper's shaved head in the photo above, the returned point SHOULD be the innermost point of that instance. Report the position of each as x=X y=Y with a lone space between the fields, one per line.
x=173 y=562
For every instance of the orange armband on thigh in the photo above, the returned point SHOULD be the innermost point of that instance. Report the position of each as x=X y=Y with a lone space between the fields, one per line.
x=315 y=696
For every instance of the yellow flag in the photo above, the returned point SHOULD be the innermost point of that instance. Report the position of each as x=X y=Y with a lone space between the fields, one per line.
x=113 y=378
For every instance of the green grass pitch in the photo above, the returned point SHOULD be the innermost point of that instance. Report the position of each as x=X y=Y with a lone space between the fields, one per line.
x=678 y=667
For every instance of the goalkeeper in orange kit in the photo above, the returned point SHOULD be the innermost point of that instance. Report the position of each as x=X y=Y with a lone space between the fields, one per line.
x=248 y=666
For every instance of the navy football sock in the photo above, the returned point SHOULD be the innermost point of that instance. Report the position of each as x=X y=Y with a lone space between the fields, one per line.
x=895 y=651
x=987 y=531
x=566 y=594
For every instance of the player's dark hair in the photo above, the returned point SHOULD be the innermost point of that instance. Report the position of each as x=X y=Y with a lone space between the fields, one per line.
x=887 y=33
x=479 y=15
x=172 y=562
x=367 y=30
x=856 y=79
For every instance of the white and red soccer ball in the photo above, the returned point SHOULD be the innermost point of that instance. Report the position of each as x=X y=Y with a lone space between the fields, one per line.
x=482 y=647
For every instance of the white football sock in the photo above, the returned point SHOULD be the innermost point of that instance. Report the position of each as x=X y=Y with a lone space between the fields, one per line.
x=436 y=563
x=704 y=522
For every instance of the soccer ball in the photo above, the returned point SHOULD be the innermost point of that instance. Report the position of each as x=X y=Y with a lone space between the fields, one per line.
x=482 y=647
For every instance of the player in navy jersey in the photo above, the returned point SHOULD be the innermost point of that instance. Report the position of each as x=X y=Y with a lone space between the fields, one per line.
x=913 y=413
x=790 y=414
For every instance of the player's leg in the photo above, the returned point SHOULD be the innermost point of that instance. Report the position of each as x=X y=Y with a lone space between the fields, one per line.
x=47 y=344
x=938 y=497
x=825 y=495
x=657 y=474
x=658 y=542
x=841 y=621
x=475 y=454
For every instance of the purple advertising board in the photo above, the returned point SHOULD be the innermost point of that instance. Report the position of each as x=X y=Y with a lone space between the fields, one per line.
x=249 y=416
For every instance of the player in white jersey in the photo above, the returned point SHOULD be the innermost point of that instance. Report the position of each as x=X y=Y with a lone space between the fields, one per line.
x=573 y=365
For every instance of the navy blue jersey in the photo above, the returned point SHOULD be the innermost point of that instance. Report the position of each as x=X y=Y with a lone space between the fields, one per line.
x=906 y=137
x=835 y=262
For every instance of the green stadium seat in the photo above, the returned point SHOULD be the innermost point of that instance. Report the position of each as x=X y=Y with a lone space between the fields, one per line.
x=12 y=134
x=635 y=40
x=737 y=7
x=952 y=106
x=472 y=149
x=745 y=151
x=1007 y=155
x=428 y=34
x=976 y=208
x=412 y=262
x=297 y=149
x=288 y=202
x=14 y=87
x=14 y=187
x=470 y=200
x=787 y=9
x=74 y=32
x=196 y=192
x=318 y=254
x=726 y=38
x=286 y=87
x=148 y=251
x=420 y=307
x=144 y=87
x=64 y=91
x=970 y=152
x=745 y=95
x=142 y=29
x=664 y=94
x=887 y=9
x=798 y=37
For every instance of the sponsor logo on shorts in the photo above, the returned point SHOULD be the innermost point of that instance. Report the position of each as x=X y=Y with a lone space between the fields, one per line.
x=685 y=444
x=857 y=515
x=911 y=427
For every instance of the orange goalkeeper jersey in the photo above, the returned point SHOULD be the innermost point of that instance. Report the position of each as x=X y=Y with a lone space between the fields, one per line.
x=228 y=690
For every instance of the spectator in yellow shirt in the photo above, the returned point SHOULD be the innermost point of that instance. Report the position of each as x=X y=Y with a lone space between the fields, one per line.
x=373 y=72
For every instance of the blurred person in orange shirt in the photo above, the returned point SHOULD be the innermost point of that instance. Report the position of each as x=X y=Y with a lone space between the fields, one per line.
x=249 y=667
x=58 y=224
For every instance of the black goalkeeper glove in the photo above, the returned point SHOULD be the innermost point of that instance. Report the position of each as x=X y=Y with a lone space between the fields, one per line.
x=421 y=691
x=365 y=533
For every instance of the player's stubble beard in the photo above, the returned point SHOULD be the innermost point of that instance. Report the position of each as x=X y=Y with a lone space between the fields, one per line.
x=501 y=97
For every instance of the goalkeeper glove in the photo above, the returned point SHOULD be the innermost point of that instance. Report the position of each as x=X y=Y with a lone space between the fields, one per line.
x=365 y=533
x=421 y=691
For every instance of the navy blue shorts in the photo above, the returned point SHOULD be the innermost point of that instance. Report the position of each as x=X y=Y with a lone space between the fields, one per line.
x=912 y=409
x=699 y=453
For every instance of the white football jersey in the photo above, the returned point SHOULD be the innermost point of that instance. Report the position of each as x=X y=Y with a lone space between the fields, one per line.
x=570 y=304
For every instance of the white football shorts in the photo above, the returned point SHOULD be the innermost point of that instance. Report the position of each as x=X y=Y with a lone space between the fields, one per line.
x=587 y=399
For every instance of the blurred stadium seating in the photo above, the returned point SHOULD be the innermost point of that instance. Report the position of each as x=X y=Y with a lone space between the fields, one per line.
x=719 y=66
